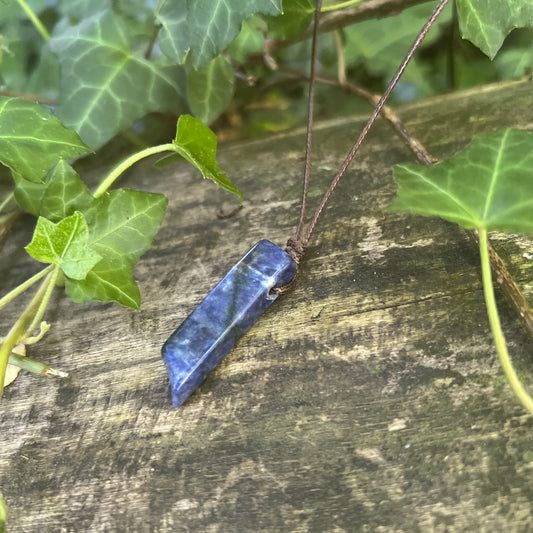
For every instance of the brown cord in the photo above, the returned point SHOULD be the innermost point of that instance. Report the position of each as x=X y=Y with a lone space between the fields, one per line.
x=371 y=120
x=310 y=113
x=296 y=246
x=296 y=250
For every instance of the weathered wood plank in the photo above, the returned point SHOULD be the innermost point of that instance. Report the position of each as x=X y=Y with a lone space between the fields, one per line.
x=370 y=398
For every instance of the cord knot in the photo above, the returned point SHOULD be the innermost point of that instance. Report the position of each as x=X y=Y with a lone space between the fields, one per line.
x=296 y=249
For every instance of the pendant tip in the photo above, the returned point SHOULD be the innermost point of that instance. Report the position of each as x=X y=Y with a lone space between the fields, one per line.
x=177 y=401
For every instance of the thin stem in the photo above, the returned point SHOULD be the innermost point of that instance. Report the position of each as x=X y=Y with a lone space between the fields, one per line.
x=6 y=200
x=31 y=96
x=128 y=162
x=42 y=306
x=450 y=51
x=386 y=112
x=44 y=327
x=501 y=275
x=20 y=326
x=310 y=111
x=7 y=221
x=153 y=37
x=35 y=20
x=3 y=514
x=35 y=367
x=341 y=63
x=370 y=9
x=341 y=5
x=366 y=129
x=10 y=296
x=495 y=326
x=510 y=289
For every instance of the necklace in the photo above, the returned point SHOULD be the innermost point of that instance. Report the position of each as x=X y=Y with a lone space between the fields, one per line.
x=265 y=272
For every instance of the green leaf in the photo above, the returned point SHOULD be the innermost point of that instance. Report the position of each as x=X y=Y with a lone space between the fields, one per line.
x=517 y=59
x=122 y=225
x=28 y=194
x=514 y=63
x=11 y=11
x=21 y=52
x=297 y=15
x=210 y=89
x=382 y=43
x=57 y=197
x=486 y=23
x=487 y=185
x=14 y=55
x=64 y=194
x=28 y=67
x=104 y=87
x=44 y=78
x=82 y=9
x=64 y=244
x=32 y=140
x=204 y=28
x=125 y=221
x=250 y=40
x=110 y=281
x=198 y=144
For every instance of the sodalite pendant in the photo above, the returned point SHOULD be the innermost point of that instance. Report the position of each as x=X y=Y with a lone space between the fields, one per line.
x=224 y=316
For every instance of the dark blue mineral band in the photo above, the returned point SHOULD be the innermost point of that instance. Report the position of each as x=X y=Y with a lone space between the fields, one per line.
x=224 y=316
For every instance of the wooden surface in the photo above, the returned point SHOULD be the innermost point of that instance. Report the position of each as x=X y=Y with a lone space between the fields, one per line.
x=369 y=399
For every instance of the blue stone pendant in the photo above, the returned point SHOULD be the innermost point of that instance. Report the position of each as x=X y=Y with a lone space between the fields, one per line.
x=224 y=316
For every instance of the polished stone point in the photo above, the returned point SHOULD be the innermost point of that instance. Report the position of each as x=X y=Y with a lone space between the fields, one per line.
x=224 y=316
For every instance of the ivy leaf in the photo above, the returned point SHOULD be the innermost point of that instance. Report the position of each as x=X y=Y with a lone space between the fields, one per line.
x=11 y=11
x=57 y=197
x=44 y=78
x=297 y=15
x=487 y=185
x=14 y=55
x=65 y=193
x=518 y=60
x=125 y=221
x=196 y=143
x=486 y=23
x=204 y=28
x=82 y=9
x=28 y=194
x=104 y=87
x=32 y=139
x=380 y=44
x=110 y=281
x=210 y=89
x=64 y=244
x=122 y=225
x=251 y=39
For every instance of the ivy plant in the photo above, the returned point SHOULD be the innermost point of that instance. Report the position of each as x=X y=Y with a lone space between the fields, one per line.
x=100 y=68
x=90 y=242
x=486 y=187
x=105 y=65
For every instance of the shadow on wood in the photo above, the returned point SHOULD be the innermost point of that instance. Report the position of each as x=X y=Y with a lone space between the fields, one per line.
x=370 y=398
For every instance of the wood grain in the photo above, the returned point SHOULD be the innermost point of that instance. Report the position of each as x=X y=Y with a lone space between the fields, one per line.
x=369 y=399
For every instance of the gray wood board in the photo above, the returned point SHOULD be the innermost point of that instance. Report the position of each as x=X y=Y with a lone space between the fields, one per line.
x=369 y=399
